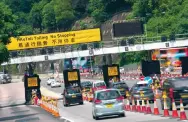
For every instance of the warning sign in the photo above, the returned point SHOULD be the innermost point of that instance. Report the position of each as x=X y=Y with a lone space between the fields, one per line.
x=113 y=71
x=32 y=82
x=72 y=76
x=141 y=93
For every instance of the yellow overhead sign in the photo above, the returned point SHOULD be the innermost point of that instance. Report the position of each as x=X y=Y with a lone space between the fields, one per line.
x=72 y=76
x=55 y=39
x=113 y=71
x=32 y=82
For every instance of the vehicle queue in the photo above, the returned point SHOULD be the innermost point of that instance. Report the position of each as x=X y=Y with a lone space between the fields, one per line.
x=111 y=98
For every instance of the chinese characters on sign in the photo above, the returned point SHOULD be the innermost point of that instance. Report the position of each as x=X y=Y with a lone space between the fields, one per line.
x=113 y=71
x=54 y=39
x=72 y=76
x=32 y=82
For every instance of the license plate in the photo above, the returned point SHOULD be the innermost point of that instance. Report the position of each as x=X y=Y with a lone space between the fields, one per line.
x=184 y=96
x=109 y=106
x=144 y=98
x=73 y=96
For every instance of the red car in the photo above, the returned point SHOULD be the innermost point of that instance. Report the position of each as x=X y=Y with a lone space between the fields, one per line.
x=98 y=85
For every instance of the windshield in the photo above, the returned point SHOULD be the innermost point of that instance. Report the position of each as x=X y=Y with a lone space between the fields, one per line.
x=141 y=85
x=73 y=90
x=119 y=85
x=100 y=84
x=107 y=95
x=180 y=83
x=86 y=84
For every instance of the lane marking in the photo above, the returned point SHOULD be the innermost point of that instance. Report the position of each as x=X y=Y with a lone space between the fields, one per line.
x=66 y=119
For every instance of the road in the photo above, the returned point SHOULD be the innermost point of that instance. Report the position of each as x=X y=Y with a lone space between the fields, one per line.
x=12 y=108
x=23 y=113
x=78 y=113
x=82 y=113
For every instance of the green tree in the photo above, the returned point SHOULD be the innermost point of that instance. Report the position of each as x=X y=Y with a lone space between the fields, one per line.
x=7 y=29
x=48 y=16
x=97 y=10
x=64 y=13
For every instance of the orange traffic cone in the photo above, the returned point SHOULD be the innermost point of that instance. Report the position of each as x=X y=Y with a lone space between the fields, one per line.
x=182 y=111
x=143 y=107
x=165 y=112
x=128 y=107
x=148 y=108
x=156 y=110
x=174 y=110
x=138 y=108
x=133 y=105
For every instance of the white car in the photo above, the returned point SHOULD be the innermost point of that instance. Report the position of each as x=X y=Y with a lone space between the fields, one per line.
x=50 y=80
x=55 y=84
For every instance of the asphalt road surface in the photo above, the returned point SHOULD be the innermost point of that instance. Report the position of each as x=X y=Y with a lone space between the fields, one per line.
x=12 y=108
x=83 y=113
x=25 y=113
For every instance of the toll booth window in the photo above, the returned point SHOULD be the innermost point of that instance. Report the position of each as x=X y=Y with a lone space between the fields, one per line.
x=107 y=95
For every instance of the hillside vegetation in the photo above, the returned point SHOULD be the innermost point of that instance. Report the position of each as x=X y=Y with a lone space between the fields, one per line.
x=23 y=17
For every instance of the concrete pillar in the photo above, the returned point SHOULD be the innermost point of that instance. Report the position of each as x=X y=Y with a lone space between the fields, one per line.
x=109 y=59
x=104 y=60
x=70 y=64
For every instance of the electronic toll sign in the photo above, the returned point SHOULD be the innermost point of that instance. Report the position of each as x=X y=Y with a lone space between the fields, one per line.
x=32 y=82
x=111 y=73
x=71 y=77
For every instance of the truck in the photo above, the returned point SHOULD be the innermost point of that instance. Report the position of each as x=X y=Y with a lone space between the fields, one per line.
x=72 y=91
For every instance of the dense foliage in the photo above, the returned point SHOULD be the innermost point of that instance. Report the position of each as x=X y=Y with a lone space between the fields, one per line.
x=24 y=17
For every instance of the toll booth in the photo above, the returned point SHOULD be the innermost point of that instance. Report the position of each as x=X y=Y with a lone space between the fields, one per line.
x=32 y=82
x=111 y=73
x=71 y=77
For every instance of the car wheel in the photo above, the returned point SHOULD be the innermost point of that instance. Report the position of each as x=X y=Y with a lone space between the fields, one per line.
x=81 y=103
x=122 y=115
x=96 y=118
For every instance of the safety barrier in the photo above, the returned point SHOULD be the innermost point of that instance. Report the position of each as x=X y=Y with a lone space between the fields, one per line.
x=145 y=106
x=47 y=103
x=50 y=105
x=87 y=96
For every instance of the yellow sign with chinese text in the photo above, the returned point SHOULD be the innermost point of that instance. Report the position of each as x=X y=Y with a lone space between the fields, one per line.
x=32 y=82
x=72 y=76
x=112 y=71
x=54 y=39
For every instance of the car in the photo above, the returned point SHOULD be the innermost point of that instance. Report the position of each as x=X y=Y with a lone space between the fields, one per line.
x=107 y=102
x=72 y=95
x=5 y=78
x=122 y=86
x=121 y=70
x=98 y=85
x=50 y=80
x=176 y=88
x=86 y=86
x=139 y=87
x=55 y=84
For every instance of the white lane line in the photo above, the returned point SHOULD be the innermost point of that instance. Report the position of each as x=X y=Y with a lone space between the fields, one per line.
x=66 y=119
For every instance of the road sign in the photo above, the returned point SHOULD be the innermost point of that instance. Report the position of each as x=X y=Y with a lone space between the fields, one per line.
x=127 y=94
x=72 y=76
x=32 y=82
x=141 y=93
x=113 y=71
x=164 y=94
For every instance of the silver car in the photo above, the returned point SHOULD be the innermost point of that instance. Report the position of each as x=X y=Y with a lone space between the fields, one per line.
x=107 y=102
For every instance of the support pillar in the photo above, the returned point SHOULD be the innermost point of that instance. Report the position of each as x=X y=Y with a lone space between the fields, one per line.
x=109 y=59
x=70 y=64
